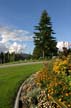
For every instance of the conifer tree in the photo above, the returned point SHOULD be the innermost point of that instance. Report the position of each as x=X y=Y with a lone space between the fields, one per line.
x=43 y=39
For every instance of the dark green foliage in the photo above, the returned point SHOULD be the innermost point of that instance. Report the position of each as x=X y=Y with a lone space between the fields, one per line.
x=43 y=39
x=37 y=53
x=11 y=57
x=2 y=57
x=7 y=57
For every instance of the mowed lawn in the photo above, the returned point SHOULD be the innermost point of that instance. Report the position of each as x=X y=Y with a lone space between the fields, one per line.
x=10 y=80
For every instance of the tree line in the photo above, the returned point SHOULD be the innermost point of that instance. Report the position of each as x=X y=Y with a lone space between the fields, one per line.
x=11 y=57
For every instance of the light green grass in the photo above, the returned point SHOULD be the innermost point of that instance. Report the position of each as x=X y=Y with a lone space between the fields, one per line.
x=10 y=80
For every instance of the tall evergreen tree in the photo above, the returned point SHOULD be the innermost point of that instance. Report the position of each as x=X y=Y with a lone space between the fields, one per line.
x=7 y=57
x=43 y=39
x=2 y=57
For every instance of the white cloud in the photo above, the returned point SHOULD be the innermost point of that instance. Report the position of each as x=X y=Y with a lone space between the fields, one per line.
x=17 y=48
x=8 y=34
x=62 y=44
x=10 y=39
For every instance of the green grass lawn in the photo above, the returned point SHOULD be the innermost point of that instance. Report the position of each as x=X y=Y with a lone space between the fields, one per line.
x=10 y=80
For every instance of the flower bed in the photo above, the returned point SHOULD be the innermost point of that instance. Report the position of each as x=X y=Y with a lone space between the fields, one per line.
x=34 y=96
x=50 y=87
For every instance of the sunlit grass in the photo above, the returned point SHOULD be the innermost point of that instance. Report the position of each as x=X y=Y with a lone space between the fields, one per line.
x=10 y=80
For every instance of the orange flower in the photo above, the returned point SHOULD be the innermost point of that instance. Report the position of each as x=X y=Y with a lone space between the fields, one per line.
x=66 y=94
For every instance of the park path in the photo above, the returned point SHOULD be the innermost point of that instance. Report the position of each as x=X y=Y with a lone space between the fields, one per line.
x=18 y=64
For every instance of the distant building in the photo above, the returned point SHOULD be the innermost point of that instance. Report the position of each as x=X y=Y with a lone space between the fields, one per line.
x=62 y=44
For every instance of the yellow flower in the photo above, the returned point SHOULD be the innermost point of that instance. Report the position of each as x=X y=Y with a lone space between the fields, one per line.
x=66 y=94
x=60 y=99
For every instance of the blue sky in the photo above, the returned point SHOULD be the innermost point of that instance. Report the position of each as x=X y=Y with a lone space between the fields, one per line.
x=23 y=15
